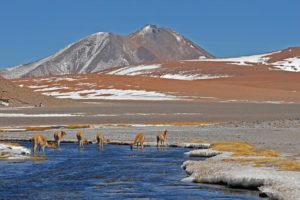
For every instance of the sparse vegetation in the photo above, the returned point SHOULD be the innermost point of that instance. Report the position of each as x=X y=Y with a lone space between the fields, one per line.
x=279 y=163
x=76 y=126
x=199 y=141
x=241 y=148
x=37 y=128
x=200 y=123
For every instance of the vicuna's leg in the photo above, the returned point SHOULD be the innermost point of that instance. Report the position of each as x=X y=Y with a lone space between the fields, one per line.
x=34 y=146
x=43 y=149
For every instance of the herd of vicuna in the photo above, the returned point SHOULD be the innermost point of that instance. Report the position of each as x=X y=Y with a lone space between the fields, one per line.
x=40 y=141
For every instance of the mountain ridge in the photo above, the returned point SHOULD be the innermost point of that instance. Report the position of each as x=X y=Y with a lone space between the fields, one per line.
x=103 y=50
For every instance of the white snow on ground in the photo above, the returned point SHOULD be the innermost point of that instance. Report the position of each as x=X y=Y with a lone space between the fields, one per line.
x=246 y=60
x=38 y=115
x=276 y=184
x=50 y=89
x=37 y=86
x=202 y=153
x=64 y=79
x=290 y=64
x=113 y=94
x=132 y=71
x=3 y=103
x=9 y=151
x=243 y=60
x=192 y=77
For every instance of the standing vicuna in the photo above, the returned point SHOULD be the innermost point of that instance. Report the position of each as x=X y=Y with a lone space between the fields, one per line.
x=80 y=138
x=161 y=137
x=100 y=140
x=39 y=140
x=138 y=140
x=58 y=136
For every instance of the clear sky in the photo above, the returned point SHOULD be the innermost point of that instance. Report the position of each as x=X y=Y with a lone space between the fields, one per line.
x=33 y=29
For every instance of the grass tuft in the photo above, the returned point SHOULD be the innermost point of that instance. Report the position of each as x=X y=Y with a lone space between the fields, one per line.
x=76 y=126
x=241 y=148
x=37 y=128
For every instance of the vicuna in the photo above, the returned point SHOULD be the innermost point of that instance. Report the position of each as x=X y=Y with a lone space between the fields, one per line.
x=39 y=140
x=138 y=140
x=161 y=137
x=58 y=136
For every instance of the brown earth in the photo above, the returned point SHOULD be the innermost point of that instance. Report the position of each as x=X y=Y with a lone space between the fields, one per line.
x=23 y=96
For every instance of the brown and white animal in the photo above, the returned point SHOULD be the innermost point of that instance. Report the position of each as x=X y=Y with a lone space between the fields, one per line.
x=58 y=136
x=161 y=137
x=138 y=140
x=100 y=140
x=80 y=138
x=39 y=140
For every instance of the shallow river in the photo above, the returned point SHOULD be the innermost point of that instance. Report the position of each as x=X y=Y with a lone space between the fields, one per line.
x=115 y=173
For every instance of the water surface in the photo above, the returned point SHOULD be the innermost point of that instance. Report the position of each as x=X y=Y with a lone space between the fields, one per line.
x=115 y=173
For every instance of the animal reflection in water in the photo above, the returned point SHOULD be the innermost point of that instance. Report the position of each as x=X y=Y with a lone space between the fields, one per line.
x=40 y=141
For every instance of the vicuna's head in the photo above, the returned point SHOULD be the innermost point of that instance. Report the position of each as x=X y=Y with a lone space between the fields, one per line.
x=85 y=141
x=63 y=133
x=165 y=132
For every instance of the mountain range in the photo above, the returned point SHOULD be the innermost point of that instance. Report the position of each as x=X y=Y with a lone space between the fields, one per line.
x=103 y=50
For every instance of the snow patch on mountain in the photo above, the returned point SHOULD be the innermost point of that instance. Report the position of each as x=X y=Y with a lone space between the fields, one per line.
x=113 y=94
x=136 y=70
x=289 y=64
x=245 y=60
x=192 y=77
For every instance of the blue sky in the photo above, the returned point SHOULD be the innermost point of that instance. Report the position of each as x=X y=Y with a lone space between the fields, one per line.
x=33 y=29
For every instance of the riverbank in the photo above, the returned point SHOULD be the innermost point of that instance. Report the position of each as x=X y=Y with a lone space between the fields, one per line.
x=240 y=165
x=281 y=136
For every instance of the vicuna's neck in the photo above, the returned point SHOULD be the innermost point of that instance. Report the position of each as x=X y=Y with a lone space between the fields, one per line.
x=165 y=133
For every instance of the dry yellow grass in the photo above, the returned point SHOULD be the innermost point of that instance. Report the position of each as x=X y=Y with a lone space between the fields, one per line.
x=75 y=126
x=199 y=141
x=281 y=164
x=199 y=123
x=37 y=128
x=10 y=143
x=241 y=148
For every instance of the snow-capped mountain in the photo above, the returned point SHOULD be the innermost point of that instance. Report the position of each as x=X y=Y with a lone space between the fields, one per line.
x=101 y=51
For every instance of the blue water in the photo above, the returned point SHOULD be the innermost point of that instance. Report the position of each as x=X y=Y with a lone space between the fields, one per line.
x=115 y=173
